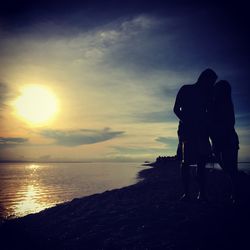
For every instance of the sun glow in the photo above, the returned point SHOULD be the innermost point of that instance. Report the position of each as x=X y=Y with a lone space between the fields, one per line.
x=36 y=104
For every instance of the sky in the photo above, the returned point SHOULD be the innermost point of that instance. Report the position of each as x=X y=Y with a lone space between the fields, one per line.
x=114 y=69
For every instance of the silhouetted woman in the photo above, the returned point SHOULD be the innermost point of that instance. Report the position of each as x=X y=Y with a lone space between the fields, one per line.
x=224 y=137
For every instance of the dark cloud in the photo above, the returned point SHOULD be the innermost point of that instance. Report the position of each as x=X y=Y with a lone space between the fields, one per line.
x=229 y=18
x=27 y=11
x=193 y=35
x=16 y=15
x=12 y=141
x=189 y=36
x=16 y=140
x=79 y=137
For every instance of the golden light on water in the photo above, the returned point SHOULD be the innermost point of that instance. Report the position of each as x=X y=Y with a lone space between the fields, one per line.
x=32 y=194
x=33 y=167
x=36 y=104
x=30 y=203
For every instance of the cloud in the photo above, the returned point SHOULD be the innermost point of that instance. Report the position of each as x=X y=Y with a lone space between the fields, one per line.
x=110 y=43
x=155 y=117
x=72 y=138
x=139 y=150
x=167 y=140
x=12 y=141
x=7 y=94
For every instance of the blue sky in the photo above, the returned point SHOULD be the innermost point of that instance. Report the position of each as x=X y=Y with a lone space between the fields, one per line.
x=115 y=69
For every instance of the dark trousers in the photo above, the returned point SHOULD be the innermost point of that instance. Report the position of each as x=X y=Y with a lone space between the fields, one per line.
x=200 y=177
x=228 y=160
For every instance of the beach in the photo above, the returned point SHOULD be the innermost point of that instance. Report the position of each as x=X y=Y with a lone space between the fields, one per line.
x=146 y=215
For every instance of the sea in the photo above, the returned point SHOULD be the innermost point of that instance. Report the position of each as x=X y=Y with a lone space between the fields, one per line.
x=27 y=188
x=31 y=187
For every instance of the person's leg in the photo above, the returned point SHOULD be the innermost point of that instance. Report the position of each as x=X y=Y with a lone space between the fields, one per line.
x=230 y=165
x=185 y=168
x=185 y=176
x=201 y=180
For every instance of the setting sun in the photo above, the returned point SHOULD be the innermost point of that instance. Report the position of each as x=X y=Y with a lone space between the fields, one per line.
x=36 y=104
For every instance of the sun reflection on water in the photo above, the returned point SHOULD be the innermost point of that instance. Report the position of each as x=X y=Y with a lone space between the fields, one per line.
x=33 y=166
x=30 y=202
x=32 y=193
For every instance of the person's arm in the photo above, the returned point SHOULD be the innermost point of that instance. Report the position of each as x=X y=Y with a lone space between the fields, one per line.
x=178 y=105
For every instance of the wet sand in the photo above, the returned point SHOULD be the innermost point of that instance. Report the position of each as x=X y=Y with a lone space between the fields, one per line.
x=147 y=215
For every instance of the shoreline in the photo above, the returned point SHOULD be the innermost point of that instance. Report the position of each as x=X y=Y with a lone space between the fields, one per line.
x=145 y=215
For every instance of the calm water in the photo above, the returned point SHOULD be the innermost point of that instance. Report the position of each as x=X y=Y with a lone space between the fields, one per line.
x=243 y=166
x=27 y=188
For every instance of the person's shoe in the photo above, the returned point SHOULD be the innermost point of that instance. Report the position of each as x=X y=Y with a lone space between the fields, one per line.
x=185 y=197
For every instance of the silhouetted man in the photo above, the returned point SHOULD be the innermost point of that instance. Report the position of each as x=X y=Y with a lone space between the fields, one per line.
x=191 y=107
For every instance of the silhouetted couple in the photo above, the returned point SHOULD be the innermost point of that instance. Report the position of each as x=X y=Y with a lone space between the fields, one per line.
x=205 y=110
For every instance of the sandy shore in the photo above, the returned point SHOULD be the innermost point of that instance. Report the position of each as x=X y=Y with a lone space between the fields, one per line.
x=147 y=215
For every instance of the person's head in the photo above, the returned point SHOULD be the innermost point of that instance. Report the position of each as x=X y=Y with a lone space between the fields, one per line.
x=207 y=80
x=222 y=90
